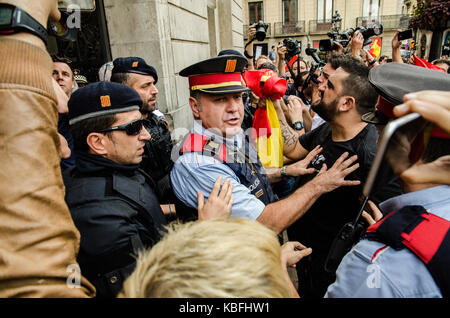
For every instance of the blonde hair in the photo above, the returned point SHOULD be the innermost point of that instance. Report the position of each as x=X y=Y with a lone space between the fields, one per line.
x=229 y=258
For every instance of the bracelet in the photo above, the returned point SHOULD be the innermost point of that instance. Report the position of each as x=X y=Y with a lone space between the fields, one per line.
x=283 y=172
x=372 y=62
x=170 y=210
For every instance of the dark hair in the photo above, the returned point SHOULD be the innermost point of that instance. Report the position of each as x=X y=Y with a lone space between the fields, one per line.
x=121 y=78
x=60 y=59
x=81 y=130
x=357 y=83
x=382 y=57
x=268 y=65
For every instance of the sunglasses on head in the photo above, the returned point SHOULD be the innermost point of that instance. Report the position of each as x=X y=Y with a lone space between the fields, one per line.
x=131 y=129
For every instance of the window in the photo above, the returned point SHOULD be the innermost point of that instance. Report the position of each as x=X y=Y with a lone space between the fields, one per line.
x=255 y=12
x=290 y=10
x=324 y=10
x=370 y=9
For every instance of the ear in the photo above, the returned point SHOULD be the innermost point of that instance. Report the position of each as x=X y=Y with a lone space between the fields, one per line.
x=347 y=103
x=97 y=143
x=195 y=107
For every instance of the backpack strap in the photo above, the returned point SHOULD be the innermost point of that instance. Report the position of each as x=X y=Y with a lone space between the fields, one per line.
x=425 y=234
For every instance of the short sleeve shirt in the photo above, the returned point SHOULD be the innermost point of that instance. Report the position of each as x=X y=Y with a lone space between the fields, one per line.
x=194 y=172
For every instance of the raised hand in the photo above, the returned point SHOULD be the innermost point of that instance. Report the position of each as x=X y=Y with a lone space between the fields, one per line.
x=218 y=205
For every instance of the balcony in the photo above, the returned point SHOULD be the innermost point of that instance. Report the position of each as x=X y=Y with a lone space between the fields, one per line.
x=289 y=29
x=319 y=26
x=389 y=22
x=245 y=31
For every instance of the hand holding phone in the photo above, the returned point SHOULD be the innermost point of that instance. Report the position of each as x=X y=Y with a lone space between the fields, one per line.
x=404 y=35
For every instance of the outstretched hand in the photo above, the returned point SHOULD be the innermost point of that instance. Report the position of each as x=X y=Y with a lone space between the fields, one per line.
x=218 y=205
x=329 y=180
x=292 y=253
x=300 y=167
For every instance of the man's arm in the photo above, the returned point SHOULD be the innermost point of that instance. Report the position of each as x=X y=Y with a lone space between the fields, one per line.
x=292 y=148
x=281 y=53
x=396 y=55
x=249 y=47
x=39 y=242
x=281 y=214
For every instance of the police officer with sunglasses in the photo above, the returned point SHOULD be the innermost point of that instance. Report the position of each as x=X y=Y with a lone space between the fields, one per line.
x=111 y=200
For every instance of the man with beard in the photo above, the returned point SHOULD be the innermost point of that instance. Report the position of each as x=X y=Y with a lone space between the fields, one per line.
x=137 y=74
x=345 y=95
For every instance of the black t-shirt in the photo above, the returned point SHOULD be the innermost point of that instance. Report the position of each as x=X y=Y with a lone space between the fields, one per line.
x=321 y=223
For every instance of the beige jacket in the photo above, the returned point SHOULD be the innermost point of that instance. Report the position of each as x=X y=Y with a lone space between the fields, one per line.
x=38 y=239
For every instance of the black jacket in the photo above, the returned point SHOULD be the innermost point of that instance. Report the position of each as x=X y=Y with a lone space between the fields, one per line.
x=117 y=214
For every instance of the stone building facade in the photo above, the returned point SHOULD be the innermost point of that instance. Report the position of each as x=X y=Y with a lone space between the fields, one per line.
x=168 y=34
x=309 y=21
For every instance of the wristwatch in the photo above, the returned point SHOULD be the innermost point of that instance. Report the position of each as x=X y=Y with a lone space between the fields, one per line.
x=372 y=62
x=14 y=20
x=298 y=125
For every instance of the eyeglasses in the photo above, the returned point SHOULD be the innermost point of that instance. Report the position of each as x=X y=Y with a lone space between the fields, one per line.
x=131 y=129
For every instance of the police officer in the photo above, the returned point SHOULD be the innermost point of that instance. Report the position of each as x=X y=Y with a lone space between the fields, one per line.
x=112 y=201
x=217 y=147
x=423 y=212
x=137 y=74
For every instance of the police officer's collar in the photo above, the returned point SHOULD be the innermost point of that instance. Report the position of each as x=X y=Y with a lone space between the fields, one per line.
x=235 y=141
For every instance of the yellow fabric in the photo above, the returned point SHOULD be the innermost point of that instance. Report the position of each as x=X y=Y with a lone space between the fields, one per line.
x=270 y=150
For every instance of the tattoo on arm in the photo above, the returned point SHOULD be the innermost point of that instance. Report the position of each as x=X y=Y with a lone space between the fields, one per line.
x=289 y=137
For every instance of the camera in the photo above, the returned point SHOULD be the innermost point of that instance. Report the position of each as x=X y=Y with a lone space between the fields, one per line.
x=261 y=29
x=293 y=48
x=344 y=37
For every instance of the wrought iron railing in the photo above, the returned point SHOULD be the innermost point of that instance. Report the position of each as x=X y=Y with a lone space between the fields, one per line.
x=389 y=22
x=319 y=26
x=289 y=29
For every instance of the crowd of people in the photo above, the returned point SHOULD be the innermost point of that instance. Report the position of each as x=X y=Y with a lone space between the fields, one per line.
x=98 y=200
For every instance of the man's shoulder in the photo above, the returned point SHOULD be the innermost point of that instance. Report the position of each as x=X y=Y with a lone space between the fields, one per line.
x=316 y=136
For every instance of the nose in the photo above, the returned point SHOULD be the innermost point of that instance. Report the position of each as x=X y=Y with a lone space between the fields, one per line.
x=322 y=85
x=154 y=90
x=233 y=105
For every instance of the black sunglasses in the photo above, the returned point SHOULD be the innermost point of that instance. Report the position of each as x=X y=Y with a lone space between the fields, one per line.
x=131 y=129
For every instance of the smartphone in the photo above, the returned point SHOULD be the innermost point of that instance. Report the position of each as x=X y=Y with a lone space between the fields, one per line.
x=408 y=34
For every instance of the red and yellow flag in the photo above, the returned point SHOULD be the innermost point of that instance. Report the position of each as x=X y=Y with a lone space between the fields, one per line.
x=266 y=127
x=375 y=50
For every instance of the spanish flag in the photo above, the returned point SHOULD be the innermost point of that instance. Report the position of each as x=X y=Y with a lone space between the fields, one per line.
x=375 y=50
x=266 y=127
